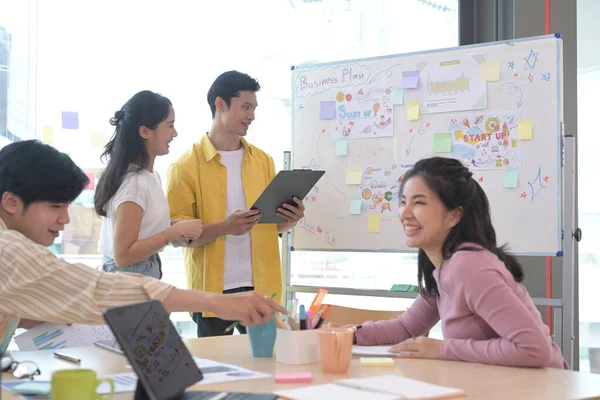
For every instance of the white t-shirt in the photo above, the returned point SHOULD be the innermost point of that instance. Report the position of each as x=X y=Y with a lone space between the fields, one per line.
x=238 y=249
x=145 y=189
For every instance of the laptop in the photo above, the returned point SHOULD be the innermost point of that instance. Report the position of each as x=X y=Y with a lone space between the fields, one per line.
x=157 y=354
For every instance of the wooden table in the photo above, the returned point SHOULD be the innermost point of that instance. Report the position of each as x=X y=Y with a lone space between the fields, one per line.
x=477 y=380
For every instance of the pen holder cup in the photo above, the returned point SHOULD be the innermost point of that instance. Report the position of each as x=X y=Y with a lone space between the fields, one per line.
x=297 y=347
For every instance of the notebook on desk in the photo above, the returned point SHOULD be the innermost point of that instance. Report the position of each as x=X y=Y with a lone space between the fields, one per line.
x=163 y=364
x=383 y=387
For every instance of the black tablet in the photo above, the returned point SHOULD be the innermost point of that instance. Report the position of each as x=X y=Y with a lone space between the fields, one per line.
x=283 y=188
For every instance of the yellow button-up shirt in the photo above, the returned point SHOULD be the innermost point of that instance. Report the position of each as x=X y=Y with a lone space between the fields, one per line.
x=197 y=188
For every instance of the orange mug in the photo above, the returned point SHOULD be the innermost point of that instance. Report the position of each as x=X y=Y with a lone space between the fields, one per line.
x=335 y=349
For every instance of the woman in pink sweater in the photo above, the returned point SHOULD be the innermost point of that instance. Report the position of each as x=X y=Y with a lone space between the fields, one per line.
x=465 y=280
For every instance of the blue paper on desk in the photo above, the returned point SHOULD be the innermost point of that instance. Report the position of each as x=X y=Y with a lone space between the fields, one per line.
x=42 y=387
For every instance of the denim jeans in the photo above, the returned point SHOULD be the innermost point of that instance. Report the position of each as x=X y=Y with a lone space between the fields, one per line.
x=151 y=266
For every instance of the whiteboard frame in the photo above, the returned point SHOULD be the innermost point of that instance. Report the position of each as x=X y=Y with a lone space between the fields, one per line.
x=559 y=135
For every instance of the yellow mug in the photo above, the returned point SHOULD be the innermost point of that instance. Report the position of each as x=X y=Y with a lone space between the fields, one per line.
x=79 y=384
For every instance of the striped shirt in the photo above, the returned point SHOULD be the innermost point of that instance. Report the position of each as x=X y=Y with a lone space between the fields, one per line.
x=37 y=285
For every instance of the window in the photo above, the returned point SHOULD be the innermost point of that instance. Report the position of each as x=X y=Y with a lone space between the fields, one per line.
x=91 y=58
x=588 y=85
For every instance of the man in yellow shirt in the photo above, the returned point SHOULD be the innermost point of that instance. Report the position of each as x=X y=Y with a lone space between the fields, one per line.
x=217 y=181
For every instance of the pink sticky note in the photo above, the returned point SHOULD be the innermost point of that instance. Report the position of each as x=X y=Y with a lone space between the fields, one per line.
x=91 y=176
x=293 y=377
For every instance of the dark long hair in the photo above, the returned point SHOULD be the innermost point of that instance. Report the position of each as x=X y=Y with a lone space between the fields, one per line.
x=454 y=185
x=126 y=147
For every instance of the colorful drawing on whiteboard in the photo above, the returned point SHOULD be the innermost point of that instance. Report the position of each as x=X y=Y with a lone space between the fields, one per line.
x=326 y=234
x=363 y=113
x=379 y=188
x=486 y=141
x=536 y=186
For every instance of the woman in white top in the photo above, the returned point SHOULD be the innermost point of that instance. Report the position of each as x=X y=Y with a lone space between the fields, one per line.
x=129 y=193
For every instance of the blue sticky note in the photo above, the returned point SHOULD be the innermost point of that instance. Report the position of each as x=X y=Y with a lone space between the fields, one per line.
x=327 y=110
x=70 y=120
x=410 y=79
x=355 y=205
x=397 y=97
x=341 y=147
x=511 y=177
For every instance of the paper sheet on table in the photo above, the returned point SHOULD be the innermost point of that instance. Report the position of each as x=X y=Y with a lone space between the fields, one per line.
x=371 y=351
x=216 y=372
x=400 y=387
x=50 y=336
x=331 y=391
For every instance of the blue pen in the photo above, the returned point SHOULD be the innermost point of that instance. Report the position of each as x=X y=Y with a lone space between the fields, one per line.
x=302 y=318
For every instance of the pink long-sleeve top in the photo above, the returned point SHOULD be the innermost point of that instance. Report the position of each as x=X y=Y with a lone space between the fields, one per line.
x=487 y=317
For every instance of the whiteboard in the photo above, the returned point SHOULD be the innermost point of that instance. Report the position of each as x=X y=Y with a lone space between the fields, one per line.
x=352 y=116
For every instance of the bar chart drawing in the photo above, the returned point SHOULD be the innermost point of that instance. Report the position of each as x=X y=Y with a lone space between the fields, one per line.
x=50 y=340
x=455 y=85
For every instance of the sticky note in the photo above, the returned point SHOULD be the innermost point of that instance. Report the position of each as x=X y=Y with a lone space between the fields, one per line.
x=91 y=176
x=410 y=79
x=490 y=71
x=373 y=223
x=414 y=110
x=400 y=288
x=355 y=205
x=377 y=362
x=293 y=377
x=442 y=143
x=70 y=120
x=397 y=96
x=525 y=129
x=48 y=134
x=354 y=175
x=327 y=110
x=511 y=177
x=341 y=147
x=98 y=139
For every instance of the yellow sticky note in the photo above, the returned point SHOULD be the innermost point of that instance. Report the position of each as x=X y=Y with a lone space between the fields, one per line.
x=414 y=110
x=354 y=175
x=377 y=362
x=525 y=129
x=490 y=71
x=97 y=139
x=48 y=134
x=373 y=223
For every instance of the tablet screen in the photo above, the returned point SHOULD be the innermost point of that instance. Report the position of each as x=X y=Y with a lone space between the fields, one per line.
x=154 y=348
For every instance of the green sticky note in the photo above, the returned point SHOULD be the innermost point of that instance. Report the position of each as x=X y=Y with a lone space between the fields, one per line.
x=490 y=71
x=400 y=288
x=397 y=96
x=442 y=143
x=355 y=205
x=414 y=289
x=341 y=147
x=354 y=175
x=525 y=129
x=511 y=177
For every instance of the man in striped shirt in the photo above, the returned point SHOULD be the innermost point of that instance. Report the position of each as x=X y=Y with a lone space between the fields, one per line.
x=37 y=184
